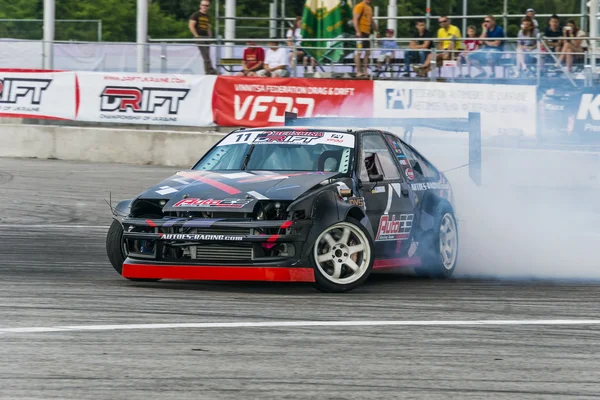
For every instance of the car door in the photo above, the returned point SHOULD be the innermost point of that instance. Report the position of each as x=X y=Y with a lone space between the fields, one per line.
x=386 y=195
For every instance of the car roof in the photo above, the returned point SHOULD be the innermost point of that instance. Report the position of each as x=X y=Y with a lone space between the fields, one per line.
x=308 y=128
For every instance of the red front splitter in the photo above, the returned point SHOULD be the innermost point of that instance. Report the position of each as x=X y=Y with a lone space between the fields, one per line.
x=217 y=273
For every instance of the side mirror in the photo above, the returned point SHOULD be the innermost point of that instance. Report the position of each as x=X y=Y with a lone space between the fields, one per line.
x=375 y=178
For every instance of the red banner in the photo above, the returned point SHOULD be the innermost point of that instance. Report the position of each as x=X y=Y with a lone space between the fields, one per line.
x=255 y=102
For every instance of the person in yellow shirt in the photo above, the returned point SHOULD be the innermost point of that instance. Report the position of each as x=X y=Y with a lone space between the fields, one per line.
x=364 y=24
x=445 y=47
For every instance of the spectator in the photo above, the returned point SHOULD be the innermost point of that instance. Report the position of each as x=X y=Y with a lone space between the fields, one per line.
x=447 y=47
x=294 y=35
x=491 y=50
x=531 y=14
x=363 y=23
x=199 y=25
x=526 y=44
x=471 y=44
x=420 y=49
x=252 y=60
x=388 y=44
x=572 y=47
x=276 y=61
x=554 y=30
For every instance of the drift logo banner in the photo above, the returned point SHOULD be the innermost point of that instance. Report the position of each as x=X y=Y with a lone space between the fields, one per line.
x=35 y=94
x=154 y=99
x=255 y=102
x=507 y=110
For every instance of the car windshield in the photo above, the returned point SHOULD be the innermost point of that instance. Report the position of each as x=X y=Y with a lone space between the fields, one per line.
x=282 y=151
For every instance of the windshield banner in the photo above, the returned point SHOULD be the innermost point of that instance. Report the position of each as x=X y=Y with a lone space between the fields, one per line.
x=256 y=102
x=291 y=137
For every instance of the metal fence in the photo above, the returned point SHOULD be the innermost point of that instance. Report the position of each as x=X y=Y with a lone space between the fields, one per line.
x=544 y=64
x=182 y=56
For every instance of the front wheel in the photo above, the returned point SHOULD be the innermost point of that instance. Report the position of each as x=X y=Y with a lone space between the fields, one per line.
x=342 y=257
x=116 y=250
x=441 y=254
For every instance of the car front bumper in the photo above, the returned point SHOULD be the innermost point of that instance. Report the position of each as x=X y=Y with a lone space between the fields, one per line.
x=236 y=256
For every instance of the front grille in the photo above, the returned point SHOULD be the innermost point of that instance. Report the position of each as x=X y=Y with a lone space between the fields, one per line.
x=223 y=252
x=219 y=252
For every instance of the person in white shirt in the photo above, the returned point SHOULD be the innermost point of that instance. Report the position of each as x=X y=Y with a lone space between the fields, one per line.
x=276 y=61
x=295 y=36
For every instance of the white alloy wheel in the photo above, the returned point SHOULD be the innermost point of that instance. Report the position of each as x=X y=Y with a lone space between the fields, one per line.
x=342 y=253
x=448 y=241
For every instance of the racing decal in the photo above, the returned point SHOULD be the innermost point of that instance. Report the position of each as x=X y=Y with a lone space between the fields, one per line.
x=396 y=187
x=166 y=190
x=179 y=180
x=198 y=237
x=429 y=185
x=378 y=189
x=225 y=203
x=216 y=184
x=290 y=137
x=278 y=176
x=357 y=201
x=257 y=195
x=237 y=175
x=394 y=227
x=404 y=162
x=389 y=201
x=409 y=173
x=343 y=190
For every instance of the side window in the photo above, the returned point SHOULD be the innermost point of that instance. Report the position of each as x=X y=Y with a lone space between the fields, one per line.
x=423 y=170
x=371 y=144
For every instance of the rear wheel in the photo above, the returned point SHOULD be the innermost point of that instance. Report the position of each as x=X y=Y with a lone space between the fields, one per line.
x=342 y=257
x=440 y=253
x=116 y=249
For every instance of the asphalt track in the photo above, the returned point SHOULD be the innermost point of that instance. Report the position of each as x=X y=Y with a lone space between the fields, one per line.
x=55 y=274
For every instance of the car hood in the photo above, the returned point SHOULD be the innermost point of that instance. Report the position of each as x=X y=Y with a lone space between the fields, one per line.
x=234 y=191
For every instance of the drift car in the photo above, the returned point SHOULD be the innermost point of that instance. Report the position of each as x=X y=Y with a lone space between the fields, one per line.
x=318 y=205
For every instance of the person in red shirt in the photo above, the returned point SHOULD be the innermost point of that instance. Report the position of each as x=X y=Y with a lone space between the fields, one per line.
x=253 y=59
x=471 y=44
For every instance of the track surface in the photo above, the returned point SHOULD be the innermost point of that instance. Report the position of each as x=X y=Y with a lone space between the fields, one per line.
x=61 y=276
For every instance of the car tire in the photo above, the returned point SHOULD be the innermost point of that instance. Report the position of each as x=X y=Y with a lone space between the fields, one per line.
x=440 y=251
x=116 y=251
x=342 y=257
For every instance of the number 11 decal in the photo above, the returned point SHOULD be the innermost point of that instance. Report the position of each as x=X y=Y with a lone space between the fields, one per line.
x=239 y=137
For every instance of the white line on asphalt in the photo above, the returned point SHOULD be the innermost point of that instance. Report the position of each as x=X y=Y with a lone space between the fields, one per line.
x=296 y=324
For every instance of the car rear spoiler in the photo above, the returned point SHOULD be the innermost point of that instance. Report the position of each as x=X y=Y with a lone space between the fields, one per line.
x=471 y=124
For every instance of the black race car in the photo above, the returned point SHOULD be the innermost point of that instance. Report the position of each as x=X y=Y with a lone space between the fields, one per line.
x=319 y=205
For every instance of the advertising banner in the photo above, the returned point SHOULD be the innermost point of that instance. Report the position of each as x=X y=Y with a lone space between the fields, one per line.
x=507 y=110
x=37 y=94
x=152 y=99
x=255 y=102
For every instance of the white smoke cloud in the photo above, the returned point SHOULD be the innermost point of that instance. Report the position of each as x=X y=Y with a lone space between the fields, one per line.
x=536 y=216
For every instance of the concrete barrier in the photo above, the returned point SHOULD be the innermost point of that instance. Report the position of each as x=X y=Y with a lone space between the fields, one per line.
x=132 y=146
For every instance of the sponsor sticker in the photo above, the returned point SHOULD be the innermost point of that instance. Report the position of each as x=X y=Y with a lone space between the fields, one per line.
x=394 y=227
x=290 y=137
x=166 y=190
x=429 y=185
x=409 y=173
x=198 y=237
x=357 y=201
x=378 y=189
x=225 y=203
x=403 y=161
